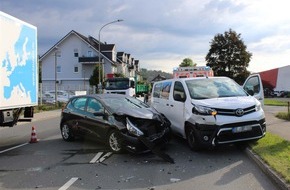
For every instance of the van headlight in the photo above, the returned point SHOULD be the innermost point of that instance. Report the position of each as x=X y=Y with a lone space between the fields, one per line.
x=258 y=106
x=133 y=129
x=204 y=110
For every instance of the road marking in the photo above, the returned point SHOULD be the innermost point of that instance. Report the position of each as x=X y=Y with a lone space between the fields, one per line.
x=69 y=183
x=105 y=157
x=100 y=157
x=97 y=157
x=13 y=148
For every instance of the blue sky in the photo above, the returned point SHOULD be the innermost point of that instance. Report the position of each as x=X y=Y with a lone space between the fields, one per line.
x=160 y=34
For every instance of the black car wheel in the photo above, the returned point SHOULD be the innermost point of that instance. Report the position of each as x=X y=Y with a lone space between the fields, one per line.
x=192 y=140
x=66 y=132
x=114 y=141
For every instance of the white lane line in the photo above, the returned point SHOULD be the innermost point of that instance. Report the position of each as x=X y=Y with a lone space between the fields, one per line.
x=13 y=148
x=105 y=157
x=96 y=157
x=69 y=183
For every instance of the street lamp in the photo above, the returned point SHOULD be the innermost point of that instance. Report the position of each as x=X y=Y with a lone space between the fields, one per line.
x=56 y=54
x=100 y=84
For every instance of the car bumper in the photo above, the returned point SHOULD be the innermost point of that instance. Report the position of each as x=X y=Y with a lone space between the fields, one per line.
x=143 y=144
x=211 y=135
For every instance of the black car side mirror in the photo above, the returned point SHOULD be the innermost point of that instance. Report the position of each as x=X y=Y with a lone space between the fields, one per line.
x=101 y=114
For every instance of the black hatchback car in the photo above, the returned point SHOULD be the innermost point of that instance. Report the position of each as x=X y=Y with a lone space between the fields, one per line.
x=122 y=122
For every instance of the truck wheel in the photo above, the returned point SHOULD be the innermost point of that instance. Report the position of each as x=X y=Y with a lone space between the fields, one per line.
x=114 y=141
x=192 y=140
x=66 y=132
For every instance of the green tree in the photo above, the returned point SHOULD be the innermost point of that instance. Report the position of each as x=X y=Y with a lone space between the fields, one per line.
x=228 y=56
x=94 y=79
x=187 y=62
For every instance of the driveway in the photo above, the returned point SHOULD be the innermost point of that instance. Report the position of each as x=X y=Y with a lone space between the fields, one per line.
x=275 y=125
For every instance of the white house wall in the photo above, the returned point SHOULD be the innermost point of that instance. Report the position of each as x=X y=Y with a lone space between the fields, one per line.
x=68 y=61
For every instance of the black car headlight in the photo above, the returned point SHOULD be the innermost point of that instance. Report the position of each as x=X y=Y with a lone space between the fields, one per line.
x=204 y=110
x=133 y=129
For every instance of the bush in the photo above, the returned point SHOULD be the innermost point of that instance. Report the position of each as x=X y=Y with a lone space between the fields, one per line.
x=283 y=115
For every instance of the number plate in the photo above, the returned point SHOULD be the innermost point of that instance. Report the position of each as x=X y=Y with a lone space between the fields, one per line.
x=242 y=129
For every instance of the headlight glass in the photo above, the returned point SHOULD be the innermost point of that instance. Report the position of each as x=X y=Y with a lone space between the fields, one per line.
x=205 y=110
x=133 y=129
x=258 y=106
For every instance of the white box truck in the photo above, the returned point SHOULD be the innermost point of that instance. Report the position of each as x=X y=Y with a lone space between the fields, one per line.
x=18 y=70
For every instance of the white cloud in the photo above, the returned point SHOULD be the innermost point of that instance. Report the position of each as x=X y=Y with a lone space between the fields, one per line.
x=161 y=34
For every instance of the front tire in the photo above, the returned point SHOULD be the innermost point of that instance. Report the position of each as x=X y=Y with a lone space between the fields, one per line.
x=114 y=141
x=66 y=132
x=192 y=141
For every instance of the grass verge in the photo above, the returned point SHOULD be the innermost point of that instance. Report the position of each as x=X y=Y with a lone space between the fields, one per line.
x=275 y=151
x=274 y=102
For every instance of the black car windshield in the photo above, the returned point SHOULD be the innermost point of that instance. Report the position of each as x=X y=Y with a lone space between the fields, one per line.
x=115 y=103
x=206 y=88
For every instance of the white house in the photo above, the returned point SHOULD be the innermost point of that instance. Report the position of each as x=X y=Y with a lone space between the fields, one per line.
x=69 y=64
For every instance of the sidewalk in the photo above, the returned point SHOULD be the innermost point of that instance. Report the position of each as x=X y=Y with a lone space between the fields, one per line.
x=281 y=128
x=277 y=126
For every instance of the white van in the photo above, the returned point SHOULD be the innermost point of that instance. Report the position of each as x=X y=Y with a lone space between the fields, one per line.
x=208 y=111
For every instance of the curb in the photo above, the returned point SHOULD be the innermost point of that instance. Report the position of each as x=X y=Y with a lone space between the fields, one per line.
x=275 y=178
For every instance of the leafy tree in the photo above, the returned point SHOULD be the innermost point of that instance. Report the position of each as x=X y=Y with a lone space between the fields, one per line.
x=228 y=56
x=94 y=79
x=187 y=62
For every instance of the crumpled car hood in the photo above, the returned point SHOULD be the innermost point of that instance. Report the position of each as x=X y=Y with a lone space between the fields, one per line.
x=148 y=113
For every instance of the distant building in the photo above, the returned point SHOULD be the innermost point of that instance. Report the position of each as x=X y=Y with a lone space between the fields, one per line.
x=278 y=79
x=72 y=60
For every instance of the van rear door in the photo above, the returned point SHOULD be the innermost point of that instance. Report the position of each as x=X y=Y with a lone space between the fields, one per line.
x=254 y=86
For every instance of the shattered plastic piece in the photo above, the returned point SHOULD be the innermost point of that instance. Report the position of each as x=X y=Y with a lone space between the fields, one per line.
x=174 y=180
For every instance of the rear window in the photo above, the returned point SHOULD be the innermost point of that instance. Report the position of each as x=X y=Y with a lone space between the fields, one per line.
x=78 y=103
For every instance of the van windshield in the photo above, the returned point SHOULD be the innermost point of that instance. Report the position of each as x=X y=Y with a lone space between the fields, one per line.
x=206 y=88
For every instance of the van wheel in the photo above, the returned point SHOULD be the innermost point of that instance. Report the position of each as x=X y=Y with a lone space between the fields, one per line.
x=114 y=141
x=192 y=140
x=66 y=132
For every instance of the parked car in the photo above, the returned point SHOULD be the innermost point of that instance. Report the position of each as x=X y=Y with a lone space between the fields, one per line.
x=122 y=122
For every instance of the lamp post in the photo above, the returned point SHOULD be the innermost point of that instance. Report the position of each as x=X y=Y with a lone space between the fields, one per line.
x=55 y=75
x=100 y=81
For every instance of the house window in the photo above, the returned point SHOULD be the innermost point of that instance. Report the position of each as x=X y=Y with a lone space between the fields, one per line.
x=76 y=69
x=58 y=68
x=76 y=52
x=90 y=54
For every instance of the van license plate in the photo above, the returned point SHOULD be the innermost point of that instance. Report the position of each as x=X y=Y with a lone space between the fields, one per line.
x=242 y=129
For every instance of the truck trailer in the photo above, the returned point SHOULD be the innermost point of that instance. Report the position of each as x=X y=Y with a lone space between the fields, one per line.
x=18 y=70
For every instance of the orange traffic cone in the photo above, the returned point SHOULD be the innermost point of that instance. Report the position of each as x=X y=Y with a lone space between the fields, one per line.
x=33 y=136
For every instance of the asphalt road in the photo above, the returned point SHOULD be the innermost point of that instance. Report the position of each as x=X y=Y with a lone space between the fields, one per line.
x=52 y=163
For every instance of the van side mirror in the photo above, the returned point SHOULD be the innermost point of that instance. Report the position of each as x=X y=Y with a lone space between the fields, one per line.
x=251 y=92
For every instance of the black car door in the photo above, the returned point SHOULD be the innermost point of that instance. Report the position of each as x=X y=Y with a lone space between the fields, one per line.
x=77 y=116
x=96 y=121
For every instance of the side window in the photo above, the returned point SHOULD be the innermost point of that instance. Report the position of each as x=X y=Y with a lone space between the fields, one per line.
x=253 y=85
x=94 y=106
x=165 y=91
x=157 y=90
x=178 y=92
x=80 y=103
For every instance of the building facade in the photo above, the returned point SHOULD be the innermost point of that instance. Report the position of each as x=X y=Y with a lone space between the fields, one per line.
x=277 y=79
x=70 y=63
